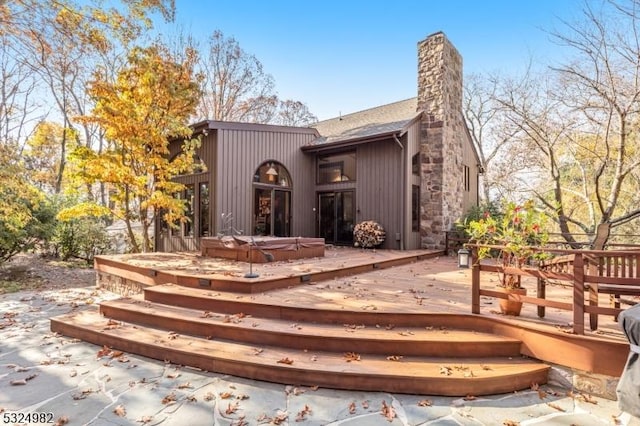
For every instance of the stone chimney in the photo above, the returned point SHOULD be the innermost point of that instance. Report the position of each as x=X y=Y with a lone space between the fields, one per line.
x=441 y=138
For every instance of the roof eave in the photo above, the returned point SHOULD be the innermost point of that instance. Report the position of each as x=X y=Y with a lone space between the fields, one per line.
x=345 y=143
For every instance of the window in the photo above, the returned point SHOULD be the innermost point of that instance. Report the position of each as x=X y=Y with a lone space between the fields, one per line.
x=189 y=196
x=336 y=168
x=467 y=179
x=415 y=164
x=272 y=173
x=204 y=209
x=415 y=208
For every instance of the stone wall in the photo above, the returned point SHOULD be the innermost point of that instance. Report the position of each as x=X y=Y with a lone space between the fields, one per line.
x=442 y=137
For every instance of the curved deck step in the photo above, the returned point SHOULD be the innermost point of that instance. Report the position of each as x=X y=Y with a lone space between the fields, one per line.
x=418 y=375
x=233 y=303
x=241 y=327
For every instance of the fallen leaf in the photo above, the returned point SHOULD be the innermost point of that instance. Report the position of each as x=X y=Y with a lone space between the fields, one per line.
x=232 y=408
x=446 y=370
x=425 y=403
x=387 y=411
x=587 y=398
x=557 y=407
x=242 y=397
x=116 y=354
x=62 y=420
x=314 y=388
x=173 y=375
x=186 y=385
x=351 y=356
x=280 y=418
x=209 y=396
x=365 y=404
x=394 y=357
x=239 y=422
x=145 y=419
x=257 y=351
x=285 y=361
x=510 y=423
x=470 y=398
x=352 y=408
x=226 y=395
x=192 y=398
x=120 y=411
x=169 y=399
x=302 y=415
x=18 y=382
x=103 y=352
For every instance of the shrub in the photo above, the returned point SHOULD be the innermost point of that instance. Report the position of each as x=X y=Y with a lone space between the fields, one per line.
x=81 y=238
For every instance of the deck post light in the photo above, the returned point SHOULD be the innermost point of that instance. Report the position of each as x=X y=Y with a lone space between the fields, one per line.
x=464 y=258
x=251 y=274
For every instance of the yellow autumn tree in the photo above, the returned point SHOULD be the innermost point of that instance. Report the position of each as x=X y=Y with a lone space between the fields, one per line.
x=150 y=103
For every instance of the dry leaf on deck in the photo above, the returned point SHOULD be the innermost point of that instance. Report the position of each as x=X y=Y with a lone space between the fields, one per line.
x=510 y=423
x=394 y=357
x=446 y=371
x=285 y=361
x=425 y=403
x=351 y=356
x=145 y=419
x=226 y=395
x=470 y=398
x=352 y=408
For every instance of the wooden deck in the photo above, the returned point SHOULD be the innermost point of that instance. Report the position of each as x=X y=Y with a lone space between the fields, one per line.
x=370 y=320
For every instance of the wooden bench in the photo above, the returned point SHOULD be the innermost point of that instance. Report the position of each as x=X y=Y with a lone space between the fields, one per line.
x=612 y=272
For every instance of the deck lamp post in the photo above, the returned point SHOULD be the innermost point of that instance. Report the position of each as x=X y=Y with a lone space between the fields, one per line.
x=464 y=258
x=251 y=274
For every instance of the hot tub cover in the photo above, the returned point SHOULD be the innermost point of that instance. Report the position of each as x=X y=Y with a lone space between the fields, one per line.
x=628 y=390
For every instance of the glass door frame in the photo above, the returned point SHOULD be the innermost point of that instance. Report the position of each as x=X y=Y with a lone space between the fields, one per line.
x=258 y=206
x=334 y=218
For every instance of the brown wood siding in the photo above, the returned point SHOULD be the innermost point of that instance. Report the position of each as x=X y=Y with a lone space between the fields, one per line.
x=241 y=152
x=378 y=187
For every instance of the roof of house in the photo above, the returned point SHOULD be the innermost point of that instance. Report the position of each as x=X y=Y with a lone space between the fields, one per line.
x=378 y=121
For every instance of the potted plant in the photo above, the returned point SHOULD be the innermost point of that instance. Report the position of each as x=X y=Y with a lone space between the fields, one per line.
x=511 y=238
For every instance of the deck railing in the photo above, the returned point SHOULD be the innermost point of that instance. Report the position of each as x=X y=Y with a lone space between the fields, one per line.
x=588 y=273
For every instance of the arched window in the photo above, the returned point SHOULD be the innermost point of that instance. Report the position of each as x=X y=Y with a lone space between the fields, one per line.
x=272 y=200
x=272 y=173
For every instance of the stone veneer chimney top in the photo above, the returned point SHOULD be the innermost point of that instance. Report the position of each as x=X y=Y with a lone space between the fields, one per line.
x=441 y=138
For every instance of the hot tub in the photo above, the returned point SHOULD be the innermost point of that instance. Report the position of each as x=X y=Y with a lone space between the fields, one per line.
x=265 y=248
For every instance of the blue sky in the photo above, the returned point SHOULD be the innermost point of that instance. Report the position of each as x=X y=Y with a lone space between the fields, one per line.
x=345 y=56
